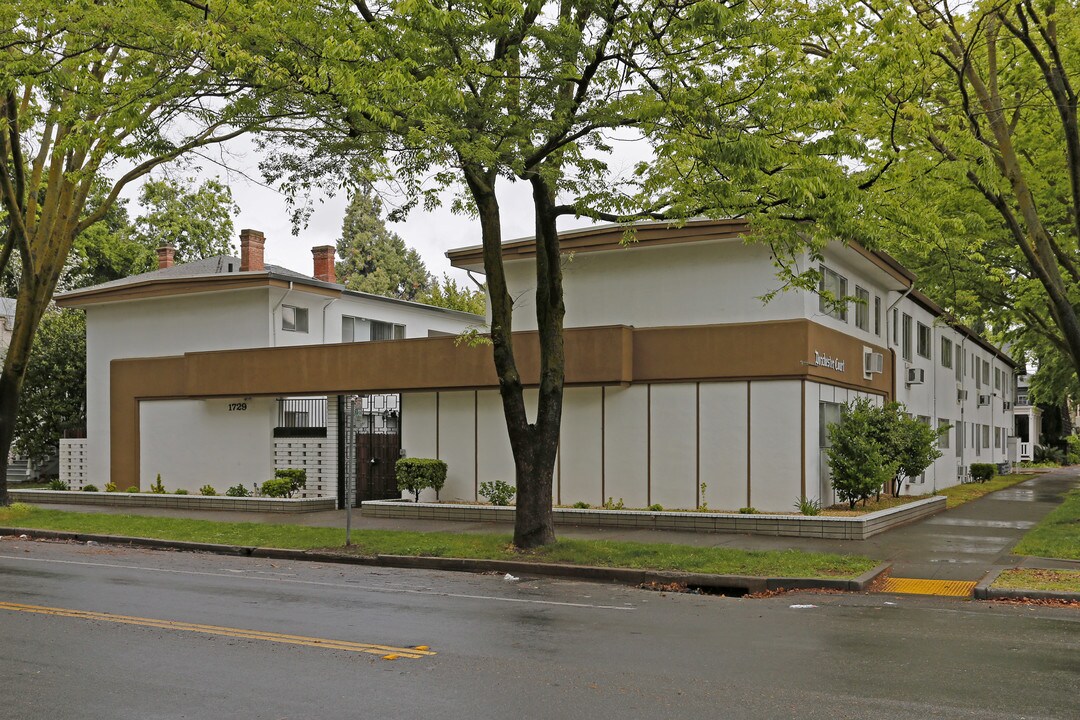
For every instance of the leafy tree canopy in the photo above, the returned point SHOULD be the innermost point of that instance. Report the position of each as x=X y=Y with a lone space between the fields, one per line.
x=375 y=259
x=197 y=221
x=447 y=293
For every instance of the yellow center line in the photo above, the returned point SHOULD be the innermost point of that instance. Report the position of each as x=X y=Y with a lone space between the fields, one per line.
x=371 y=648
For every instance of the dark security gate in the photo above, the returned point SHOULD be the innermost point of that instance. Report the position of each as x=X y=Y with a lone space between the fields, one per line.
x=376 y=427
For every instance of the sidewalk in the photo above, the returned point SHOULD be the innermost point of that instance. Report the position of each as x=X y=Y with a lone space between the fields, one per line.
x=960 y=544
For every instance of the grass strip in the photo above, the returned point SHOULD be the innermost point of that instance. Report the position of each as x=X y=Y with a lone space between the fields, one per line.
x=1038 y=579
x=1058 y=535
x=960 y=494
x=605 y=553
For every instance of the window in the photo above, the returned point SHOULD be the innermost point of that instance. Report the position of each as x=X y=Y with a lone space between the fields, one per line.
x=294 y=318
x=828 y=414
x=862 y=309
x=877 y=316
x=986 y=436
x=354 y=329
x=959 y=365
x=986 y=373
x=906 y=349
x=960 y=439
x=943 y=438
x=946 y=352
x=975 y=371
x=975 y=438
x=998 y=432
x=923 y=347
x=895 y=327
x=835 y=284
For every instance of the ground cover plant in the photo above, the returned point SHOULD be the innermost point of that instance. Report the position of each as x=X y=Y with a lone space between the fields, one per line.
x=1058 y=535
x=655 y=556
x=1039 y=579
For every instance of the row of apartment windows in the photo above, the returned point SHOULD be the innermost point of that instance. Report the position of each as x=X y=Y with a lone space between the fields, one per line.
x=837 y=285
x=353 y=329
x=968 y=434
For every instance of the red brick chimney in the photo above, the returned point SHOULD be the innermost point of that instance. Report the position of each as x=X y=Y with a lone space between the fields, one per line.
x=251 y=250
x=324 y=263
x=165 y=255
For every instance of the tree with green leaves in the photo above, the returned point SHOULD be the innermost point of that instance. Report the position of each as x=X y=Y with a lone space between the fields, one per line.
x=472 y=96
x=375 y=259
x=94 y=93
x=857 y=462
x=54 y=398
x=447 y=293
x=195 y=220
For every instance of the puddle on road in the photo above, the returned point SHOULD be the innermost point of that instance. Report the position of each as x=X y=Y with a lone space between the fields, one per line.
x=960 y=522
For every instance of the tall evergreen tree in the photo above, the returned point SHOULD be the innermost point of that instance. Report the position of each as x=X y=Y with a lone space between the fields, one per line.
x=375 y=259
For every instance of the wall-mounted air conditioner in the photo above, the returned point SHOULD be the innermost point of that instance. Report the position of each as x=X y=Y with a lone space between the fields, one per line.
x=873 y=362
x=984 y=400
x=1006 y=405
x=916 y=376
x=961 y=395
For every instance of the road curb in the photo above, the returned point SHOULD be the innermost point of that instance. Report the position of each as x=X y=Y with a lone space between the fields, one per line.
x=741 y=584
x=983 y=591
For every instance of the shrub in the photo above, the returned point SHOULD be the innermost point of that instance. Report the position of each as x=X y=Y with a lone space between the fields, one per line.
x=207 y=490
x=857 y=459
x=656 y=507
x=297 y=478
x=807 y=506
x=277 y=488
x=133 y=489
x=582 y=505
x=238 y=490
x=110 y=487
x=981 y=472
x=747 y=511
x=158 y=488
x=180 y=491
x=415 y=474
x=497 y=492
x=1046 y=454
x=58 y=484
x=1073 y=444
x=612 y=505
x=89 y=488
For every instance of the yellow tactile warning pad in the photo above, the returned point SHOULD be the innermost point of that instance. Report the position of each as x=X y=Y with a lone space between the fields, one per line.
x=915 y=586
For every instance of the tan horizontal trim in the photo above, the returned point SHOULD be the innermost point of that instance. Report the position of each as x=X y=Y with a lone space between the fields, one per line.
x=168 y=287
x=612 y=355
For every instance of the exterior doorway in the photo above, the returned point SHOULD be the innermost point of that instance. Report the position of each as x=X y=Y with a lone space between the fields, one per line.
x=372 y=442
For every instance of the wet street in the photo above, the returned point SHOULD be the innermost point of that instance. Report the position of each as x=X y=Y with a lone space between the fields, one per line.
x=103 y=632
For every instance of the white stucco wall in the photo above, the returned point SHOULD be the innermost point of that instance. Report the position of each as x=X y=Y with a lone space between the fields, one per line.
x=197 y=442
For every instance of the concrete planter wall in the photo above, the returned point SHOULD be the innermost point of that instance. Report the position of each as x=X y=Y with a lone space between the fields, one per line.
x=185 y=502
x=836 y=528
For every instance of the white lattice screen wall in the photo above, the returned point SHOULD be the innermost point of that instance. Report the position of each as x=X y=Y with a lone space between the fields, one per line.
x=73 y=462
x=319 y=456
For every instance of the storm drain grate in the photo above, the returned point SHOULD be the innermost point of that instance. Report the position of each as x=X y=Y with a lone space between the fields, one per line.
x=916 y=586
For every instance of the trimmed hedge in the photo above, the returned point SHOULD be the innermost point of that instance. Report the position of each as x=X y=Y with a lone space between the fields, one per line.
x=981 y=472
x=416 y=474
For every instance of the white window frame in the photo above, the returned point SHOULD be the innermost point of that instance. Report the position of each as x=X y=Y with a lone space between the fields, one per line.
x=294 y=318
x=862 y=308
x=836 y=284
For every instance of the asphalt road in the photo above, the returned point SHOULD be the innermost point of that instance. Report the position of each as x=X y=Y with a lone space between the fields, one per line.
x=172 y=637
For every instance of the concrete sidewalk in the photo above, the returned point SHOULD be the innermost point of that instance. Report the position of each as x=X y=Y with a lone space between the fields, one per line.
x=960 y=544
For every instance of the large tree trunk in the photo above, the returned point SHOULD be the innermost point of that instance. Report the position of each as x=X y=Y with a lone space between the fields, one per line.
x=534 y=445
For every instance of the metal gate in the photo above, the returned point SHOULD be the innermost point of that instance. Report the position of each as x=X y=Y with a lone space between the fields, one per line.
x=373 y=422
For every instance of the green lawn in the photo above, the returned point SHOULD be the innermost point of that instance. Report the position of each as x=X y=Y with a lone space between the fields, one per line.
x=960 y=494
x=652 y=556
x=1058 y=535
x=1036 y=579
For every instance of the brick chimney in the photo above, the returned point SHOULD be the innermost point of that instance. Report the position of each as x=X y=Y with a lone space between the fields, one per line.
x=165 y=255
x=251 y=250
x=324 y=263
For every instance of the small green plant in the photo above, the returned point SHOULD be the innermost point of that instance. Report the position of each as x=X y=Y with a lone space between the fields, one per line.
x=133 y=489
x=704 y=505
x=180 y=491
x=110 y=487
x=981 y=472
x=747 y=511
x=89 y=488
x=416 y=474
x=277 y=488
x=612 y=505
x=207 y=490
x=1048 y=454
x=158 y=487
x=58 y=484
x=807 y=506
x=582 y=505
x=497 y=492
x=238 y=490
x=1073 y=444
x=297 y=478
x=656 y=507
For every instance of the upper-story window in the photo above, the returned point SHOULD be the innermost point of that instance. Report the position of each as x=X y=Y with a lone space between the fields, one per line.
x=877 y=316
x=294 y=318
x=959 y=364
x=975 y=371
x=986 y=373
x=923 y=346
x=895 y=327
x=862 y=308
x=997 y=378
x=836 y=284
x=355 y=329
x=946 y=352
x=906 y=345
